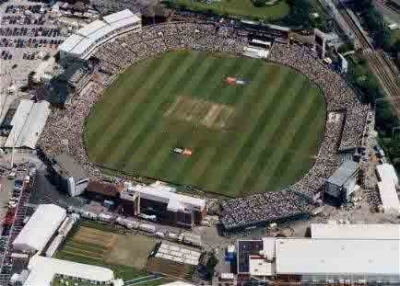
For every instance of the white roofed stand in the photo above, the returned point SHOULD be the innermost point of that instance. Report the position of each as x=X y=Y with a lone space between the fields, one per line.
x=40 y=228
x=84 y=42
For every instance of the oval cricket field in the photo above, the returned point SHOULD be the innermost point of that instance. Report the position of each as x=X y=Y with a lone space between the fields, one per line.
x=232 y=126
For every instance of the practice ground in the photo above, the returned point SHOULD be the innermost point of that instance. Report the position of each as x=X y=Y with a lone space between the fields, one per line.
x=125 y=253
x=252 y=138
x=241 y=8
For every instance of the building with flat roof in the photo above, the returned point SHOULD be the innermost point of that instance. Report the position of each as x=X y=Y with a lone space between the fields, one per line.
x=323 y=260
x=334 y=261
x=69 y=175
x=340 y=186
x=161 y=200
x=355 y=231
x=43 y=270
x=40 y=228
x=84 y=42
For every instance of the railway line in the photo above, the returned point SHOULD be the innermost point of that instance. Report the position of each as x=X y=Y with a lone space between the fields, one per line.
x=383 y=71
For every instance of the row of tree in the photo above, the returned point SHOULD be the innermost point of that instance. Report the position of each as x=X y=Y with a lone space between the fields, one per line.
x=387 y=122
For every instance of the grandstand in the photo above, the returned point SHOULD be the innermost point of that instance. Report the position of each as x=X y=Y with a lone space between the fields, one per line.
x=82 y=43
x=344 y=129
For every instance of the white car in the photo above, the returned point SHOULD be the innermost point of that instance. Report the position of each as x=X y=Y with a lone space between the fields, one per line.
x=178 y=150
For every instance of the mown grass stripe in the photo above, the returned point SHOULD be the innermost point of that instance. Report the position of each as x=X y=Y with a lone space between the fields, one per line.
x=106 y=144
x=188 y=136
x=139 y=129
x=266 y=109
x=220 y=159
x=145 y=115
x=300 y=143
x=196 y=137
x=281 y=119
x=276 y=166
x=114 y=97
x=274 y=144
x=143 y=140
x=250 y=69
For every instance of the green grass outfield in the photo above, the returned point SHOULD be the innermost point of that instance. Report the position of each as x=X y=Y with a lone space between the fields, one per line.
x=272 y=127
x=239 y=8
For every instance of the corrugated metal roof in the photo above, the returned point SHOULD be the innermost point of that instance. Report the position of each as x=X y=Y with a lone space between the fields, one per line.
x=343 y=173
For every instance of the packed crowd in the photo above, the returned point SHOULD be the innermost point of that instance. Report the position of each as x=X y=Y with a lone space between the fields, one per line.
x=344 y=127
x=155 y=40
x=262 y=208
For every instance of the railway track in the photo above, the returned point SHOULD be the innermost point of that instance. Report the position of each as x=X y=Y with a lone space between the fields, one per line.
x=383 y=71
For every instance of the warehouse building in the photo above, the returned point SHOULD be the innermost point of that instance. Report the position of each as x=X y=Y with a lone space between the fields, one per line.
x=69 y=175
x=43 y=270
x=40 y=228
x=162 y=201
x=340 y=186
x=27 y=124
x=85 y=41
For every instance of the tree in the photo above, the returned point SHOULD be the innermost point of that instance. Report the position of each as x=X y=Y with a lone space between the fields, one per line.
x=210 y=265
x=258 y=3
x=362 y=5
x=299 y=13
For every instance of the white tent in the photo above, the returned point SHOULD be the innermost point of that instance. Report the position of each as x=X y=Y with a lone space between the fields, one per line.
x=40 y=228
x=42 y=271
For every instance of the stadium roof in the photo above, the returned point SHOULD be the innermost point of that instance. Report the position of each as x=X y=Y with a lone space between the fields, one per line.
x=42 y=271
x=80 y=42
x=40 y=228
x=70 y=43
x=67 y=167
x=324 y=257
x=343 y=173
x=119 y=16
x=28 y=123
x=91 y=28
x=386 y=172
x=355 y=231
